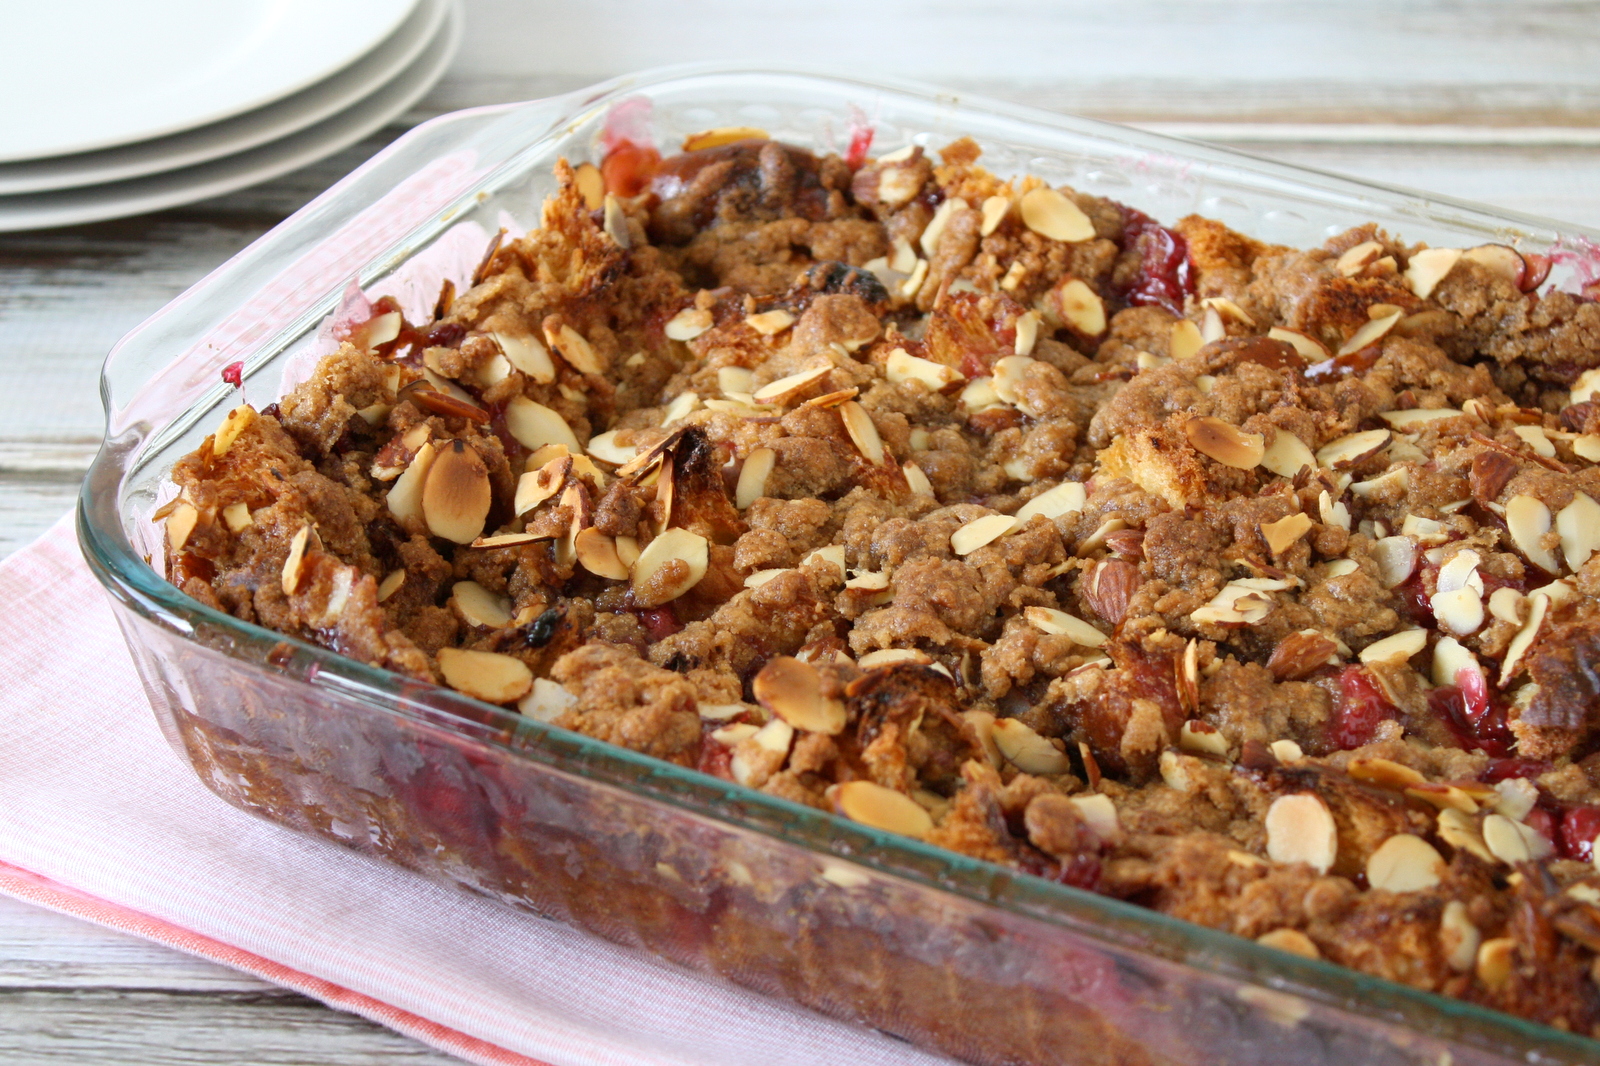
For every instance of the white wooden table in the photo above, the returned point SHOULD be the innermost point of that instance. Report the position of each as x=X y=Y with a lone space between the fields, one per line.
x=1487 y=101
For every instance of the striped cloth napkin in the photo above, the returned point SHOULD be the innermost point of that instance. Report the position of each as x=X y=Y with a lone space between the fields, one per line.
x=100 y=819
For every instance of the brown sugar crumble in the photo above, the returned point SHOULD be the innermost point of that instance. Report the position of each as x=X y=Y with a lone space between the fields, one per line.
x=1253 y=584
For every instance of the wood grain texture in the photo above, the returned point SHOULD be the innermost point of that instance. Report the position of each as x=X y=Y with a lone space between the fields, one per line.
x=1493 y=102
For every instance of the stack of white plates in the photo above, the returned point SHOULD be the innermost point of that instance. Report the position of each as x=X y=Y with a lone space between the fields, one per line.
x=114 y=108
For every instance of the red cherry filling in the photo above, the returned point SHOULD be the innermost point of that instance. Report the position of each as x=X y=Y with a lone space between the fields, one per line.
x=1164 y=277
x=1359 y=707
x=1475 y=716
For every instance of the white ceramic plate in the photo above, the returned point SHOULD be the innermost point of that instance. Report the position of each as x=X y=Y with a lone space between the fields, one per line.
x=232 y=136
x=81 y=75
x=154 y=192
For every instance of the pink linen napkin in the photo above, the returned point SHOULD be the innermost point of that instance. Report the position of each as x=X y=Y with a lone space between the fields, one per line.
x=100 y=818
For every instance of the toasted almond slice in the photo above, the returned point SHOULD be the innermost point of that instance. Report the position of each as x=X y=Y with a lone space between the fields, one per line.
x=833 y=554
x=1027 y=750
x=1458 y=936
x=1100 y=814
x=1538 y=604
x=872 y=660
x=1534 y=437
x=1395 y=648
x=1185 y=339
x=1428 y=267
x=688 y=324
x=1228 y=445
x=883 y=808
x=479 y=606
x=980 y=531
x=1050 y=214
x=1515 y=798
x=1009 y=373
x=1357 y=259
x=527 y=355
x=405 y=498
x=1495 y=959
x=1285 y=531
x=1423 y=530
x=1505 y=842
x=670 y=565
x=1417 y=416
x=380 y=330
x=735 y=733
x=862 y=432
x=785 y=389
x=934 y=231
x=1228 y=309
x=916 y=480
x=1499 y=259
x=1291 y=940
x=1528 y=520
x=294 y=564
x=1371 y=333
x=1506 y=605
x=1211 y=327
x=1352 y=448
x=902 y=367
x=485 y=675
x=1341 y=567
x=604 y=447
x=575 y=348
x=753 y=477
x=722 y=135
x=681 y=405
x=1587 y=447
x=615 y=222
x=868 y=580
x=792 y=690
x=1404 y=863
x=236 y=515
x=1587 y=387
x=391 y=584
x=1395 y=480
x=1027 y=327
x=1461 y=832
x=1065 y=498
x=1385 y=773
x=537 y=486
x=1201 y=737
x=1310 y=349
x=732 y=379
x=234 y=423
x=1460 y=571
x=534 y=425
x=456 y=496
x=1578 y=524
x=994 y=211
x=761 y=577
x=1080 y=307
x=181 y=521
x=506 y=540
x=770 y=323
x=1458 y=610
x=546 y=701
x=1286 y=751
x=590 y=185
x=913 y=284
x=1060 y=623
x=979 y=394
x=1450 y=657
x=597 y=553
x=1287 y=454
x=1300 y=829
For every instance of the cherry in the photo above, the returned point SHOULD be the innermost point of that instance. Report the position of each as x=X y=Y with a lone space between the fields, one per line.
x=1504 y=769
x=628 y=168
x=1359 y=706
x=1473 y=715
x=1164 y=277
x=659 y=622
x=716 y=758
x=233 y=374
x=1575 y=837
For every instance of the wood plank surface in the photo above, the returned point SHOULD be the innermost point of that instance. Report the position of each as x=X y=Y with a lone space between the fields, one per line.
x=1493 y=102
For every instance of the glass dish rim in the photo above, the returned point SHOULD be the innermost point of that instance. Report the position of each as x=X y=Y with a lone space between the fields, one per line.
x=1113 y=923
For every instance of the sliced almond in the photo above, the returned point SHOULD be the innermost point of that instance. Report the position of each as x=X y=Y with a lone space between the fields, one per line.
x=1587 y=446
x=1185 y=339
x=1357 y=259
x=1396 y=558
x=590 y=185
x=294 y=564
x=1450 y=657
x=1100 y=814
x=761 y=577
x=485 y=675
x=405 y=498
x=1504 y=840
x=1461 y=832
x=1395 y=648
x=480 y=607
x=527 y=355
x=1027 y=750
x=1286 y=751
x=236 y=422
x=680 y=407
x=670 y=565
x=872 y=660
x=688 y=324
x=1423 y=530
x=980 y=531
x=536 y=486
x=546 y=701
x=575 y=348
x=181 y=521
x=597 y=553
x=1534 y=437
x=902 y=367
x=916 y=480
x=1065 y=498
x=735 y=379
x=1285 y=531
x=1586 y=387
x=1287 y=454
x=1499 y=259
x=1050 y=214
x=1458 y=936
x=1417 y=416
x=913 y=284
x=605 y=447
x=753 y=477
x=1352 y=448
x=1458 y=610
x=786 y=389
x=1300 y=829
x=1371 y=333
x=1495 y=960
x=1538 y=604
x=993 y=211
x=1310 y=349
x=1506 y=605
x=614 y=220
x=1027 y=328
x=1393 y=481
x=862 y=432
x=934 y=231
x=1428 y=267
x=1385 y=773
x=236 y=515
x=391 y=584
x=1080 y=307
x=1528 y=520
x=770 y=323
x=1211 y=327
x=534 y=425
x=1228 y=445
x=1404 y=863
x=832 y=554
x=1060 y=623
x=456 y=496
x=883 y=808
x=792 y=690
x=1578 y=524
x=1291 y=940
x=1200 y=737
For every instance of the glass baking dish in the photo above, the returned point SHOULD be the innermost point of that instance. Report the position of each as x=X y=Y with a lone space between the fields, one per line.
x=952 y=953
